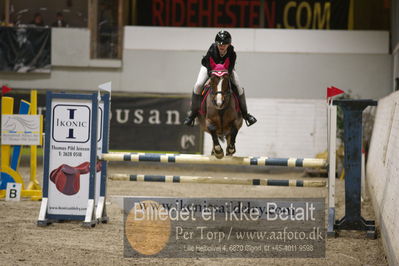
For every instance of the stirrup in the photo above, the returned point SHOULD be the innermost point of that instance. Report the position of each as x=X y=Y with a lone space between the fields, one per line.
x=249 y=120
x=189 y=121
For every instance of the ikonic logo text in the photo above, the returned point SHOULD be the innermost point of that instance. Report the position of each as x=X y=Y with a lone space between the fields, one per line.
x=71 y=123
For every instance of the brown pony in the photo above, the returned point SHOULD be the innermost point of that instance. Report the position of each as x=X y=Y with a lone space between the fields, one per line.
x=221 y=117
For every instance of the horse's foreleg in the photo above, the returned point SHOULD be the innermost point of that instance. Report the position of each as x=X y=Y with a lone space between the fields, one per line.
x=217 y=148
x=231 y=141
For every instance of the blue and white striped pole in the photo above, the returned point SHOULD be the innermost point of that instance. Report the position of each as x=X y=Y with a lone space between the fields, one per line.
x=201 y=159
x=218 y=180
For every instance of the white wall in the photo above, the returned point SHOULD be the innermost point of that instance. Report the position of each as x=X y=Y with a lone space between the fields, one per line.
x=383 y=173
x=70 y=47
x=259 y=40
x=271 y=63
x=285 y=128
x=265 y=75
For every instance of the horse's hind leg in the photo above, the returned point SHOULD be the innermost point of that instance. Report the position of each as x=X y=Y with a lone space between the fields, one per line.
x=217 y=148
x=231 y=141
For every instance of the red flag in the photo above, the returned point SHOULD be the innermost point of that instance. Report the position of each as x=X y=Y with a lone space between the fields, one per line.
x=333 y=91
x=5 y=89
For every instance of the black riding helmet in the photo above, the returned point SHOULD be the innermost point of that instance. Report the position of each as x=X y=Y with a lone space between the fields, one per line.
x=223 y=37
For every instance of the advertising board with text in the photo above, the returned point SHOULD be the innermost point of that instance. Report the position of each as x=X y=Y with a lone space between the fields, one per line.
x=231 y=227
x=69 y=157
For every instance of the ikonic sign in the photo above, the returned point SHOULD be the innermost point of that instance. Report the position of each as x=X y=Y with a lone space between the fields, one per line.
x=71 y=123
x=73 y=179
x=70 y=149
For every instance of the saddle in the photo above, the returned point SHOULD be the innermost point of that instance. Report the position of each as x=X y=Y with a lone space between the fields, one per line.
x=67 y=178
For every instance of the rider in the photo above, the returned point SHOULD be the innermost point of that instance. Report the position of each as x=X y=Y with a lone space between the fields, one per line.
x=220 y=50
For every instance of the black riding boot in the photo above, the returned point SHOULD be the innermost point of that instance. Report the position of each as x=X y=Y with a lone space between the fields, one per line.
x=195 y=106
x=249 y=119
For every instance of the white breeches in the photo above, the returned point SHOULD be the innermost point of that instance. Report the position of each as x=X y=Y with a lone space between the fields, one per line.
x=203 y=77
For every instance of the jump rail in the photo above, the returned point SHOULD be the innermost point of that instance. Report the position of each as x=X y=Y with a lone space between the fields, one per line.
x=201 y=159
x=218 y=180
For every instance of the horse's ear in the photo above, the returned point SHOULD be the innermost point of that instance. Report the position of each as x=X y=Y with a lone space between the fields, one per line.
x=226 y=63
x=212 y=62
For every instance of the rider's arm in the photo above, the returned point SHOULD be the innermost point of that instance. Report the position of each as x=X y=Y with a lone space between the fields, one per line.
x=205 y=60
x=233 y=57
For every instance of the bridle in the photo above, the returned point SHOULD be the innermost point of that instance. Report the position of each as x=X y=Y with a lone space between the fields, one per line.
x=227 y=94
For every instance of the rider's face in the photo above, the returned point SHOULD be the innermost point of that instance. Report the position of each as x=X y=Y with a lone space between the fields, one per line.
x=223 y=48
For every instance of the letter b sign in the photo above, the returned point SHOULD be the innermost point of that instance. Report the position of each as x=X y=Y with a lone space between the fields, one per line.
x=13 y=192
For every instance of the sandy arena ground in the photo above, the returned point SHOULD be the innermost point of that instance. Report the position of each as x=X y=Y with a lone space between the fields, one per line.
x=23 y=243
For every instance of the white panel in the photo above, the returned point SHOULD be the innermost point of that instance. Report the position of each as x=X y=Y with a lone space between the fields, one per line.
x=66 y=78
x=383 y=173
x=182 y=39
x=285 y=128
x=284 y=75
x=259 y=40
x=322 y=41
x=167 y=38
x=264 y=75
x=70 y=46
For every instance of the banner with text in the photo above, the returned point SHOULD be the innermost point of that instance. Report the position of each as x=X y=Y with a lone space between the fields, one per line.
x=231 y=228
x=287 y=14
x=152 y=124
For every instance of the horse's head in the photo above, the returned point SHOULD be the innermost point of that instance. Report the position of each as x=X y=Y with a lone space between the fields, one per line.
x=220 y=83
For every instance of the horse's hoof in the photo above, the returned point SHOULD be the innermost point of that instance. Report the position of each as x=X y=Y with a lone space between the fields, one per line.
x=230 y=152
x=218 y=152
x=219 y=155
